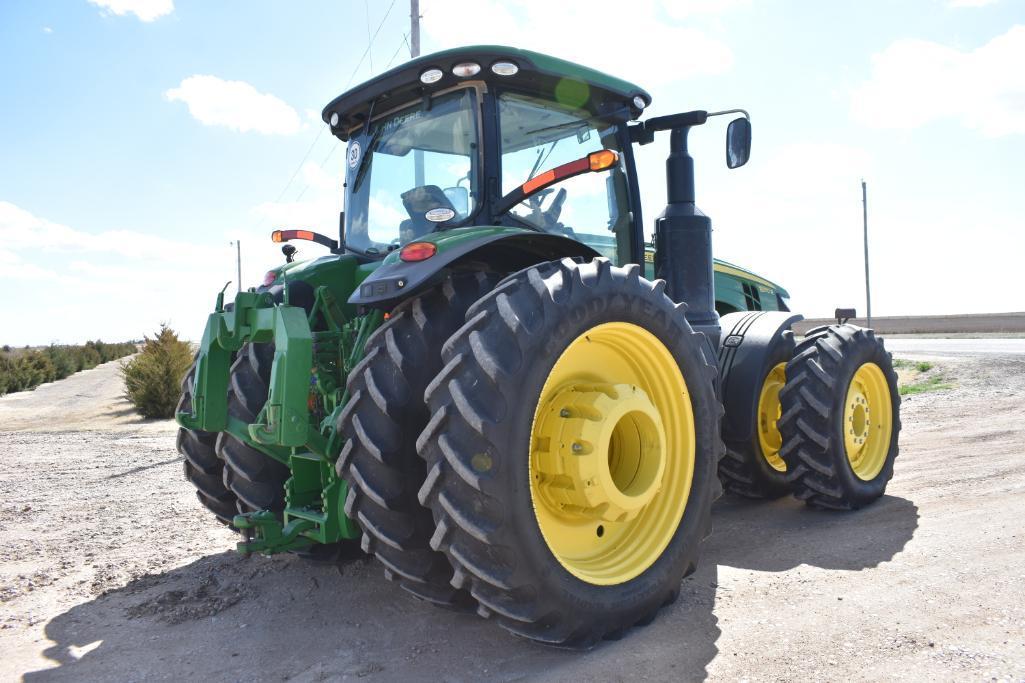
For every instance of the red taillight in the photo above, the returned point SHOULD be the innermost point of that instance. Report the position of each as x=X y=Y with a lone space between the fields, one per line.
x=418 y=251
x=270 y=277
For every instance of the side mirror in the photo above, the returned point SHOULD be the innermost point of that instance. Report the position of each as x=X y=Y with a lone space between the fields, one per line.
x=738 y=142
x=460 y=199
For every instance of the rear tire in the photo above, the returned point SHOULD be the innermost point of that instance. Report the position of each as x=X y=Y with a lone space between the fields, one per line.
x=380 y=425
x=753 y=468
x=481 y=446
x=841 y=418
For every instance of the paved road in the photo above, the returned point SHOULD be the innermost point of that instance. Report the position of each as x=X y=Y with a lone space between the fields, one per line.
x=956 y=347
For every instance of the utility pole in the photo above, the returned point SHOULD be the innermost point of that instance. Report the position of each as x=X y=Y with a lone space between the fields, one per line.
x=414 y=52
x=864 y=216
x=414 y=28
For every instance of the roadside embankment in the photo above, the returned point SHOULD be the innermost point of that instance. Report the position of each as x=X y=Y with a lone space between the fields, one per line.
x=971 y=323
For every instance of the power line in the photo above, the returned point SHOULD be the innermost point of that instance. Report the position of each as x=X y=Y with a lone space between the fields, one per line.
x=320 y=132
x=367 y=51
x=405 y=42
x=370 y=41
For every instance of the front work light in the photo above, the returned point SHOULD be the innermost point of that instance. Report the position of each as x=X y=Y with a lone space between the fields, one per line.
x=431 y=76
x=505 y=68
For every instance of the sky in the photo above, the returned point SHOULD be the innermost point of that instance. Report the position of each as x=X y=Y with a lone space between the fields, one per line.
x=140 y=138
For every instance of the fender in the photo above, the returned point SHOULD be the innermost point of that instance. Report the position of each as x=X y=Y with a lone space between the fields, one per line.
x=502 y=249
x=749 y=339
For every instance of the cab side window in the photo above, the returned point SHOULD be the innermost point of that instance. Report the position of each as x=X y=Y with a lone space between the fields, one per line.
x=592 y=207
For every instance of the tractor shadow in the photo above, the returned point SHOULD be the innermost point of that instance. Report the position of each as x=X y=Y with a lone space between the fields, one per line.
x=283 y=618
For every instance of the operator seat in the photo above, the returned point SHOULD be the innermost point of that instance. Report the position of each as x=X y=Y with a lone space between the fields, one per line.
x=417 y=203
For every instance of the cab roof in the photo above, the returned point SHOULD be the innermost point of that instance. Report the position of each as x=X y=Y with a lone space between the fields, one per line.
x=543 y=76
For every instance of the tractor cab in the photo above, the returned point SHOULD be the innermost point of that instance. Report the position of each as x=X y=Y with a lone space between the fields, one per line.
x=487 y=136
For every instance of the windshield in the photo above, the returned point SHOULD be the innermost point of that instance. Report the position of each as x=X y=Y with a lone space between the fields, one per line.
x=537 y=136
x=414 y=171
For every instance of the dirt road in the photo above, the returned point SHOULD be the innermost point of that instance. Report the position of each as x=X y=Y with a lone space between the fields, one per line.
x=112 y=571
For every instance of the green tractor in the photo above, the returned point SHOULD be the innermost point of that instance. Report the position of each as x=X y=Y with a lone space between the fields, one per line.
x=494 y=386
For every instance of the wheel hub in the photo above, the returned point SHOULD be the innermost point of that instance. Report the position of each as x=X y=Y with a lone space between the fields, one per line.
x=769 y=412
x=866 y=421
x=612 y=453
x=605 y=452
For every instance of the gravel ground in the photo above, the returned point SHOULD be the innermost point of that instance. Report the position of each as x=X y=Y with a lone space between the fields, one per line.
x=112 y=571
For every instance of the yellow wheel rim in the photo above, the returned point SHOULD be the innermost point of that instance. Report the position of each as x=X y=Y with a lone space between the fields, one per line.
x=612 y=453
x=769 y=412
x=867 y=421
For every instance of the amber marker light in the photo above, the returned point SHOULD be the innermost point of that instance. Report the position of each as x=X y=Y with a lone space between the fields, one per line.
x=602 y=159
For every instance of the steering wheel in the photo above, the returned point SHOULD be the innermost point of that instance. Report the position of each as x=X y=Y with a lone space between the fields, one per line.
x=553 y=212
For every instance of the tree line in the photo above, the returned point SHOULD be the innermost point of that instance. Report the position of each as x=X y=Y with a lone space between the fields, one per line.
x=25 y=369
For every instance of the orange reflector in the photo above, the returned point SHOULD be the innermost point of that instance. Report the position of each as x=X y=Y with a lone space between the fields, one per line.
x=285 y=235
x=602 y=159
x=417 y=251
x=539 y=181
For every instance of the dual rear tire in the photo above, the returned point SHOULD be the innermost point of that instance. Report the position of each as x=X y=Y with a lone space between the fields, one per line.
x=827 y=422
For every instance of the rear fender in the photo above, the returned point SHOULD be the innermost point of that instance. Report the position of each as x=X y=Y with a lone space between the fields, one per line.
x=748 y=342
x=503 y=250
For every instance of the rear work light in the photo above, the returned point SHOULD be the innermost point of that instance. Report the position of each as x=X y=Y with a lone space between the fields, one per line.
x=417 y=251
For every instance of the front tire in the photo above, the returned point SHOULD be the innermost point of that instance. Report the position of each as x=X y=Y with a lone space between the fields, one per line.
x=202 y=467
x=256 y=479
x=547 y=553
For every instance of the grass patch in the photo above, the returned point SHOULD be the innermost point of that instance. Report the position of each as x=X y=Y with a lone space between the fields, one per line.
x=929 y=384
x=918 y=377
x=919 y=365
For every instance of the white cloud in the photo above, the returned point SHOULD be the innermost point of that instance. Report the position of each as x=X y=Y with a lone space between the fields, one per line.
x=316 y=177
x=682 y=9
x=646 y=47
x=21 y=230
x=971 y=3
x=145 y=10
x=235 y=104
x=47 y=29
x=915 y=82
x=115 y=284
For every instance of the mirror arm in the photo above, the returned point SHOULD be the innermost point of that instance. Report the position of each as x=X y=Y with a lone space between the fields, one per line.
x=742 y=112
